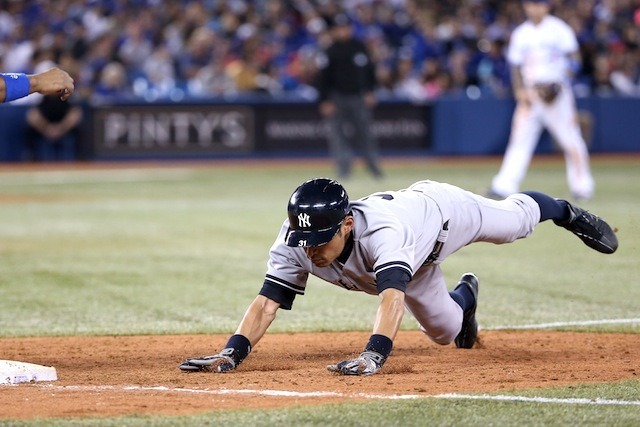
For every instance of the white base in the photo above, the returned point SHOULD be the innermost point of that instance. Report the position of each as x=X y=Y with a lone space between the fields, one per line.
x=12 y=372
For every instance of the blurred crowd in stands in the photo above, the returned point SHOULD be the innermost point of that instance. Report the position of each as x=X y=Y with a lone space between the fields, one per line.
x=423 y=49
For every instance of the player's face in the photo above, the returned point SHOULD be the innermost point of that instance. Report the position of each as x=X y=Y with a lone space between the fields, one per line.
x=322 y=256
x=535 y=11
x=341 y=32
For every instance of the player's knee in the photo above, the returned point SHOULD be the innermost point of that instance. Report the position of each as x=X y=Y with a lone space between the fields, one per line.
x=441 y=336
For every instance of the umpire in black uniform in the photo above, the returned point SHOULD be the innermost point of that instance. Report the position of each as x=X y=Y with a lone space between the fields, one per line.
x=346 y=85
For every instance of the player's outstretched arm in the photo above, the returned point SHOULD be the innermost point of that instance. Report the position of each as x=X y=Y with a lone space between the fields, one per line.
x=17 y=85
x=257 y=319
x=388 y=318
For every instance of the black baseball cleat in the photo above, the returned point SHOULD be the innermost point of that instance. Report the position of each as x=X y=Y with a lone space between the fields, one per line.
x=591 y=229
x=188 y=367
x=469 y=332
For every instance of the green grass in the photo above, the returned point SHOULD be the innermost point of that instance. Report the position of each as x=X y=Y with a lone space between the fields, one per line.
x=154 y=251
x=184 y=250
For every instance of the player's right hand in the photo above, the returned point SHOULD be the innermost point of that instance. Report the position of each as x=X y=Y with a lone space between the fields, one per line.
x=221 y=362
x=51 y=82
x=523 y=96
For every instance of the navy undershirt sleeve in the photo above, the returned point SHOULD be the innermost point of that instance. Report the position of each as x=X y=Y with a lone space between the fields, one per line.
x=395 y=277
x=279 y=294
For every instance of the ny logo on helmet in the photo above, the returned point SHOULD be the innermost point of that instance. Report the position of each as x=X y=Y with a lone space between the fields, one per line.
x=304 y=220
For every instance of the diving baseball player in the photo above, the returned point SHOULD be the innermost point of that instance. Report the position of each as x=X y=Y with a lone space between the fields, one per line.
x=543 y=53
x=391 y=244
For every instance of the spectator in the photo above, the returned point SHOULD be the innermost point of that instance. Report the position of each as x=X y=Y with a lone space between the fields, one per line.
x=244 y=73
x=51 y=130
x=386 y=79
x=158 y=74
x=198 y=53
x=18 y=50
x=626 y=79
x=113 y=82
x=201 y=34
x=213 y=80
x=488 y=69
x=436 y=81
x=408 y=84
x=135 y=47
x=601 y=75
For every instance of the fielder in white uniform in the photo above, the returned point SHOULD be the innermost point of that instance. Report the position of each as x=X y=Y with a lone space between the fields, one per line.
x=543 y=53
x=391 y=244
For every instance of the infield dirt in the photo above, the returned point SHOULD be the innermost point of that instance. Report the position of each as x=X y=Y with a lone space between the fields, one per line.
x=104 y=376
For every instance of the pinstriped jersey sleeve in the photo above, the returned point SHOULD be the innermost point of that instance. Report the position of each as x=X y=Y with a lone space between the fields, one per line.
x=392 y=248
x=287 y=272
x=389 y=243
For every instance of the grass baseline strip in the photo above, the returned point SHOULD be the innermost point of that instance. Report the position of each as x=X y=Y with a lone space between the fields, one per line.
x=289 y=393
x=96 y=177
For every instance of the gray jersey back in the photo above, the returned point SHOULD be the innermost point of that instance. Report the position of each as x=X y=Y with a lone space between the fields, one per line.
x=391 y=229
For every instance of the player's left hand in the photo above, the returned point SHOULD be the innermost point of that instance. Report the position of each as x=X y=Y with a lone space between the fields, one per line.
x=221 y=362
x=368 y=363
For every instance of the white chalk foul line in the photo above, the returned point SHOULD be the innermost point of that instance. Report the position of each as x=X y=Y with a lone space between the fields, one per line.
x=315 y=394
x=570 y=401
x=224 y=391
x=563 y=324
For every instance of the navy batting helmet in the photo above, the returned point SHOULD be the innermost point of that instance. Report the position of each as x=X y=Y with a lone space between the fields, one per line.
x=316 y=210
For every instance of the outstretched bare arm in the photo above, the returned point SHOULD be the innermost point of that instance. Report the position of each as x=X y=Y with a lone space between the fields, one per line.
x=50 y=82
x=253 y=326
x=257 y=319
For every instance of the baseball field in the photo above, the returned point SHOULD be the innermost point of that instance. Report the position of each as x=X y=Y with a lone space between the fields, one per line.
x=115 y=273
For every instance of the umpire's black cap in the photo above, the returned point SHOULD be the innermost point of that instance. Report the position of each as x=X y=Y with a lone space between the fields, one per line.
x=316 y=211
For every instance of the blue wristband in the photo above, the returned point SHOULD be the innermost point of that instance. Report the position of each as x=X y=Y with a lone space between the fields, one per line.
x=17 y=86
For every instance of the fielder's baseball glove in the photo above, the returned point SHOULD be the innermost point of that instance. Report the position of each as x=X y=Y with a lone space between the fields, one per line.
x=548 y=92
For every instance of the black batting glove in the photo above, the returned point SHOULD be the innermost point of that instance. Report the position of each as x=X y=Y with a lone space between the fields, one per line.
x=221 y=362
x=238 y=347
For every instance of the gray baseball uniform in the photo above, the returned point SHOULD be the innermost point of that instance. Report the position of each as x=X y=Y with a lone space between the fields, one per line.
x=392 y=244
x=399 y=239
